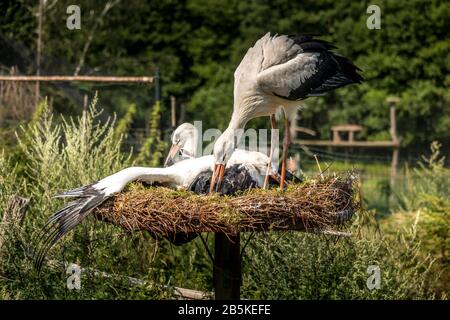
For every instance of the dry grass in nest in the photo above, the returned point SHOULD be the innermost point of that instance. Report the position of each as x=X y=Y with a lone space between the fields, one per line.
x=309 y=205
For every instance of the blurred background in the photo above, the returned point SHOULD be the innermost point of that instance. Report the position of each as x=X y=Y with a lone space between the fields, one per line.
x=192 y=48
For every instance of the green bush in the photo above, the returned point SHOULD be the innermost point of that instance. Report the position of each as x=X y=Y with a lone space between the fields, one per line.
x=305 y=266
x=425 y=204
x=57 y=157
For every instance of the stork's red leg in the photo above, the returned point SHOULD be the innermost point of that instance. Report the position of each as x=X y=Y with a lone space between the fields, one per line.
x=273 y=124
x=286 y=143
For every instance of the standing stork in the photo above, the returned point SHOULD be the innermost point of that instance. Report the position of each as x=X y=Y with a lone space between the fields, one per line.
x=280 y=70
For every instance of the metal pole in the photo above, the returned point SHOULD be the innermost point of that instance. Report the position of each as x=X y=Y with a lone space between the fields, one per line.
x=227 y=272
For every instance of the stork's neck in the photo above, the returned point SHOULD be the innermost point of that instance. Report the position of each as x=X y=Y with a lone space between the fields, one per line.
x=235 y=129
x=237 y=121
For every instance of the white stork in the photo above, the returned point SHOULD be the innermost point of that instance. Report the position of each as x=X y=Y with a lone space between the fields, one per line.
x=184 y=144
x=280 y=70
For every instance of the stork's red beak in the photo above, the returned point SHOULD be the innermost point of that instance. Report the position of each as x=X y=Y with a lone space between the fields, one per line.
x=172 y=152
x=219 y=170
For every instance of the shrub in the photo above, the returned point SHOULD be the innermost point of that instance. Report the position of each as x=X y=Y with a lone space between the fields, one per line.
x=425 y=205
x=56 y=157
x=306 y=266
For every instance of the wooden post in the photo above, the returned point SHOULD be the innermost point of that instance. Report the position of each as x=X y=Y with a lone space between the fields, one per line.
x=39 y=48
x=12 y=216
x=157 y=80
x=85 y=102
x=351 y=136
x=394 y=165
x=395 y=153
x=336 y=136
x=227 y=267
x=173 y=103
x=182 y=116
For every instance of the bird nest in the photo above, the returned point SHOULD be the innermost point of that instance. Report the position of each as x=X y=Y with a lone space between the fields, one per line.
x=322 y=204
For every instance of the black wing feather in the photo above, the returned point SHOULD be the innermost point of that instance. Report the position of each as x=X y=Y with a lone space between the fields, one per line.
x=66 y=219
x=332 y=71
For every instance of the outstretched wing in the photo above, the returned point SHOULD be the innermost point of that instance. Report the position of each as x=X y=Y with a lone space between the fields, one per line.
x=87 y=198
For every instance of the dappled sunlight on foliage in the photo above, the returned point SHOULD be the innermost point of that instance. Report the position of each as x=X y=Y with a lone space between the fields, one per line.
x=425 y=206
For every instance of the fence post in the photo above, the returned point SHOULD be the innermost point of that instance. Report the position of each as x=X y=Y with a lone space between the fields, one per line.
x=227 y=267
x=392 y=101
x=40 y=16
x=12 y=217
x=173 y=114
x=182 y=112
x=157 y=85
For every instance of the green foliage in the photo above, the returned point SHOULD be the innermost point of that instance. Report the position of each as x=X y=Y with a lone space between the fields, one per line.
x=153 y=147
x=429 y=180
x=125 y=122
x=8 y=179
x=59 y=157
x=425 y=204
x=304 y=266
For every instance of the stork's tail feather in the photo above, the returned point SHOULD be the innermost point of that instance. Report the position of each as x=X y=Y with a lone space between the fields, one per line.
x=348 y=69
x=339 y=70
x=67 y=218
x=309 y=43
x=346 y=72
x=343 y=216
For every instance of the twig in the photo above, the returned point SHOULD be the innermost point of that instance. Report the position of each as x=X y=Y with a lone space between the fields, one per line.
x=207 y=248
x=246 y=243
x=318 y=165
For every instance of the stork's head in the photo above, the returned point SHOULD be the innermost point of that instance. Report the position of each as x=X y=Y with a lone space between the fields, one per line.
x=223 y=149
x=184 y=143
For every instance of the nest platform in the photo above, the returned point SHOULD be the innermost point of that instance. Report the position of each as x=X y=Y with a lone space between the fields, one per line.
x=318 y=204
